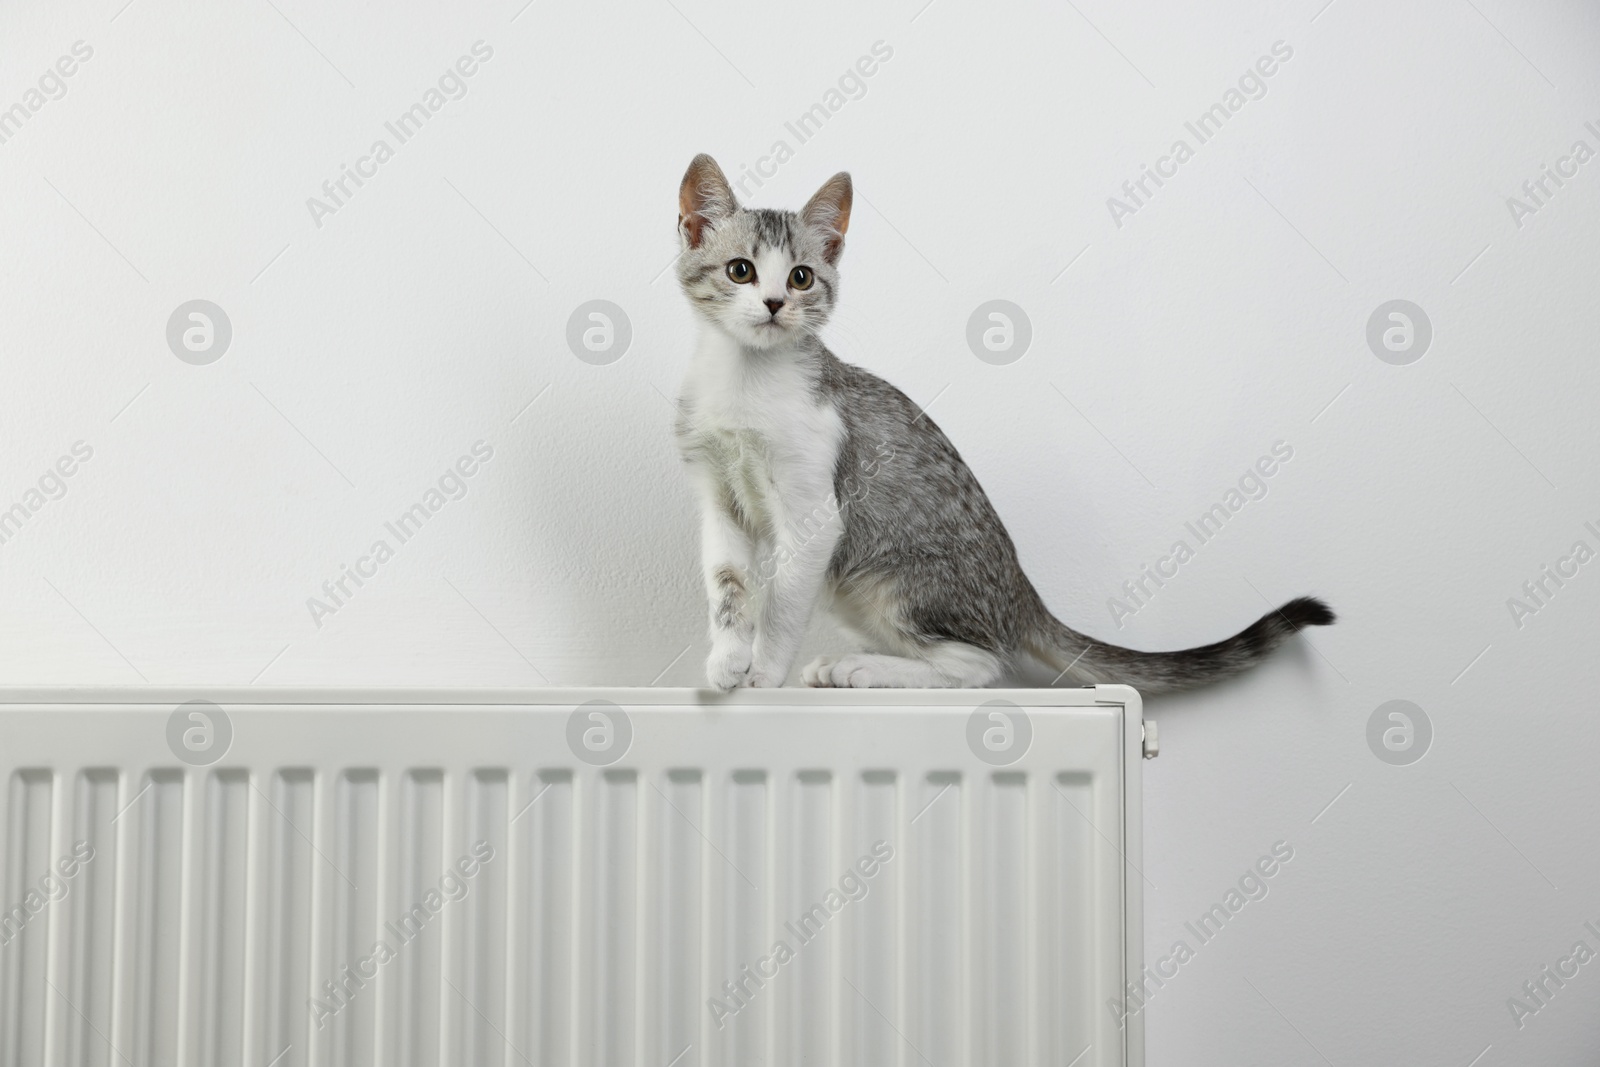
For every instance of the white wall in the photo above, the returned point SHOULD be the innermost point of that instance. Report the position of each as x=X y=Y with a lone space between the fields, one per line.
x=1228 y=313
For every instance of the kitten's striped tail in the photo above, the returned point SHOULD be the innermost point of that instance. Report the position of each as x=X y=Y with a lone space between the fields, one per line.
x=1088 y=662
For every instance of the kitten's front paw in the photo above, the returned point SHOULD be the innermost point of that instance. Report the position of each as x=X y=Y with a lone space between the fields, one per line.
x=764 y=678
x=728 y=666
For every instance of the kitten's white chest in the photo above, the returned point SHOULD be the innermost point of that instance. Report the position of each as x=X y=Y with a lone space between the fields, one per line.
x=756 y=424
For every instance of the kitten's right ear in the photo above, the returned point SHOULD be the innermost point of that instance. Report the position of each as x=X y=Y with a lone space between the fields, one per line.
x=829 y=210
x=704 y=199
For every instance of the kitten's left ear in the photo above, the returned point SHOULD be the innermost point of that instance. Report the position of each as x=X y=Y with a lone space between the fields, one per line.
x=829 y=211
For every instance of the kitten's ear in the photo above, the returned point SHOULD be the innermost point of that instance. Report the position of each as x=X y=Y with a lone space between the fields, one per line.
x=829 y=211
x=704 y=199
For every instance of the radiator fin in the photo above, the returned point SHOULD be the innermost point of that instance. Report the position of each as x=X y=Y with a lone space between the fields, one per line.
x=1068 y=914
x=342 y=1012
x=675 y=884
x=611 y=923
x=480 y=993
x=84 y=867
x=810 y=1023
x=158 y=928
x=24 y=926
x=935 y=859
x=1004 y=875
x=546 y=908
x=284 y=818
x=220 y=935
x=740 y=869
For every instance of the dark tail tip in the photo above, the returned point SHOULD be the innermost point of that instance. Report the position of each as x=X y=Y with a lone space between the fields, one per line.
x=1307 y=611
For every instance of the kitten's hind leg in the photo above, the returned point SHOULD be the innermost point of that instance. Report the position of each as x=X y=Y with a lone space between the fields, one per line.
x=942 y=665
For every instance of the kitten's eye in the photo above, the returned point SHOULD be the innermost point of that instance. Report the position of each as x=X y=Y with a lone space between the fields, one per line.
x=800 y=277
x=741 y=271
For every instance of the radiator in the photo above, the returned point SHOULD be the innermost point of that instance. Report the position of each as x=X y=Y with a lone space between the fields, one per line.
x=641 y=877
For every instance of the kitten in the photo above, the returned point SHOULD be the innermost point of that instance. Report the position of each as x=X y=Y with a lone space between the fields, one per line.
x=820 y=480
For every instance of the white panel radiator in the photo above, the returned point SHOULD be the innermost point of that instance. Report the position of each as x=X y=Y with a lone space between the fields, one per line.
x=651 y=878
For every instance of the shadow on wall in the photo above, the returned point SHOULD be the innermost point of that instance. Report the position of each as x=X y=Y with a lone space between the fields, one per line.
x=599 y=523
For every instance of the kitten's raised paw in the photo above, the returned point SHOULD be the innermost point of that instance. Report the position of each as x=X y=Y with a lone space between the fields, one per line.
x=728 y=666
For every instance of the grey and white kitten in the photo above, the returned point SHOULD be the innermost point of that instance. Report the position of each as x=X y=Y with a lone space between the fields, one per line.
x=821 y=482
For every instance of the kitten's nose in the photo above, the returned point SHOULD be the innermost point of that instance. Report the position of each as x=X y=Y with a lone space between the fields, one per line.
x=773 y=306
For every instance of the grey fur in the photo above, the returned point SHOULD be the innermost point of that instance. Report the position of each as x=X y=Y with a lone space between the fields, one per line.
x=925 y=522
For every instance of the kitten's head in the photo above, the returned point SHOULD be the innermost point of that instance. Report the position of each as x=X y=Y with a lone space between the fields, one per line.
x=765 y=277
